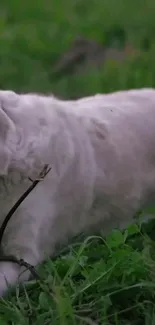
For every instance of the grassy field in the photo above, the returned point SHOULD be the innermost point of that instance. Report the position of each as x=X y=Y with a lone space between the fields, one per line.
x=98 y=281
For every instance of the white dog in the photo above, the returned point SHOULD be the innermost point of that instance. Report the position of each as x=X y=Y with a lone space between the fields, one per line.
x=102 y=153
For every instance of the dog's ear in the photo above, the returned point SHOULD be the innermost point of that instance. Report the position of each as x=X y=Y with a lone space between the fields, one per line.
x=7 y=130
x=9 y=103
x=8 y=100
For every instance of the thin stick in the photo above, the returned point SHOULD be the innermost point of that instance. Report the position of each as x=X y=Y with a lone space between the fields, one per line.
x=42 y=175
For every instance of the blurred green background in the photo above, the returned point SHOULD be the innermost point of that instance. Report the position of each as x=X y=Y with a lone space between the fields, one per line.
x=74 y=48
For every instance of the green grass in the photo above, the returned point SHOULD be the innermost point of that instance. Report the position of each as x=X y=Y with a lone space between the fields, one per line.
x=34 y=34
x=98 y=281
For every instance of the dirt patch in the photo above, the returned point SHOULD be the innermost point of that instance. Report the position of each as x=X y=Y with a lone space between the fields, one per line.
x=84 y=53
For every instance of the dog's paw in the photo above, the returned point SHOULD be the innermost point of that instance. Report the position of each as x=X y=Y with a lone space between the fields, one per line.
x=9 y=274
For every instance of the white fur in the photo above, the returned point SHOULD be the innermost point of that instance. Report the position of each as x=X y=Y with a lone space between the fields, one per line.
x=102 y=153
